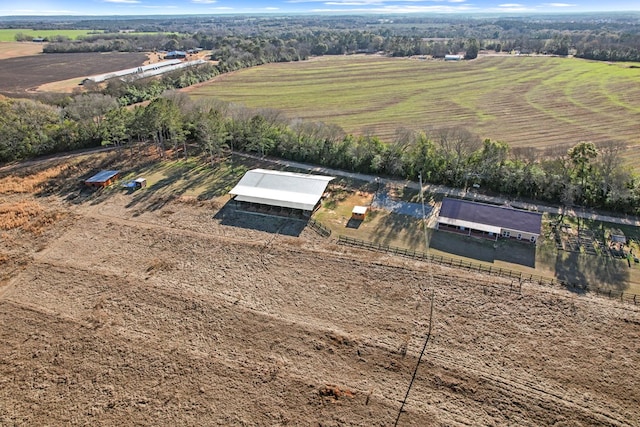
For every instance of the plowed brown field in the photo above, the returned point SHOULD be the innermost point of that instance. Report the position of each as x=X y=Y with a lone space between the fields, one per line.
x=162 y=313
x=26 y=73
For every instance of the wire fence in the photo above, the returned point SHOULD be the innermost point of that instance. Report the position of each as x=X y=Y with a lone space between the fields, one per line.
x=489 y=269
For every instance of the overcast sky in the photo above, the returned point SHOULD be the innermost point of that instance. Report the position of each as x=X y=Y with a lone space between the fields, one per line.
x=180 y=7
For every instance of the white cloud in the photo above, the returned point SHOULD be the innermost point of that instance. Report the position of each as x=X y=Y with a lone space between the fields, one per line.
x=203 y=1
x=401 y=9
x=510 y=5
x=370 y=2
x=40 y=12
x=352 y=3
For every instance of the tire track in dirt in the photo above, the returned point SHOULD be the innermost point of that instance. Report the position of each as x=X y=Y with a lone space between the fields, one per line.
x=529 y=390
x=263 y=374
x=151 y=295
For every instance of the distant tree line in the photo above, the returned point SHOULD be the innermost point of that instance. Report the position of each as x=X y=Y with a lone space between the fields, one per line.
x=24 y=37
x=246 y=41
x=585 y=174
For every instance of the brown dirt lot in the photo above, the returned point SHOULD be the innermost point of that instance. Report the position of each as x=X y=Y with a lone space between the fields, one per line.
x=27 y=73
x=180 y=312
x=17 y=49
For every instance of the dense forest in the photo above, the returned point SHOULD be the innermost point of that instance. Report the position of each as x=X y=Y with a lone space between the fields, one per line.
x=584 y=174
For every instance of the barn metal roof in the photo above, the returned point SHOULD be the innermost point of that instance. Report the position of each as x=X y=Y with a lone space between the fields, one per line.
x=470 y=224
x=475 y=215
x=103 y=176
x=142 y=71
x=284 y=189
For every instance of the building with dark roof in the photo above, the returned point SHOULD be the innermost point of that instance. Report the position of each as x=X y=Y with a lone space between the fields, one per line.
x=490 y=221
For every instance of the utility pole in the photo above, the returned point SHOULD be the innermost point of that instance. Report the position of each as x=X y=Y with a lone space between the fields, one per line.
x=424 y=222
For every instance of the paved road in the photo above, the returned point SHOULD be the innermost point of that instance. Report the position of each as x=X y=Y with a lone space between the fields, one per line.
x=441 y=189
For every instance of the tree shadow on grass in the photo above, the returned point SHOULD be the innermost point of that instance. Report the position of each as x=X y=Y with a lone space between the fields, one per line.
x=180 y=177
x=288 y=226
x=515 y=252
x=577 y=270
x=69 y=183
x=464 y=246
x=207 y=182
x=390 y=226
x=485 y=250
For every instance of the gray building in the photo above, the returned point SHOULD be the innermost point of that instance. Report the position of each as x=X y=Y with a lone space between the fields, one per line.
x=489 y=221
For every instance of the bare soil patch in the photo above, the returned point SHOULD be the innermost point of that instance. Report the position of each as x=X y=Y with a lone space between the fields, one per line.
x=18 y=49
x=27 y=73
x=160 y=313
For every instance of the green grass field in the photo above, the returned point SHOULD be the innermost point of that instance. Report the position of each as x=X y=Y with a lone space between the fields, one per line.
x=9 y=35
x=524 y=101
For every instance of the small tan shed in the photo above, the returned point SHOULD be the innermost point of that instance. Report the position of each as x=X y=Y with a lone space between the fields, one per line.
x=359 y=213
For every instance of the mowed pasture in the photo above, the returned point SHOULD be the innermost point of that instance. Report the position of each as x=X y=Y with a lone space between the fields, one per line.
x=523 y=101
x=9 y=34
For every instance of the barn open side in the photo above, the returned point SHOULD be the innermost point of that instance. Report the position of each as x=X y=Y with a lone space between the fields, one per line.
x=280 y=193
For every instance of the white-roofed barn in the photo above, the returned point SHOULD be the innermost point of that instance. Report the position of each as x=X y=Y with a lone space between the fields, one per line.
x=280 y=192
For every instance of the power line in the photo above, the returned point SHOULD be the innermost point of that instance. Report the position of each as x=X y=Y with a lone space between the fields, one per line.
x=415 y=371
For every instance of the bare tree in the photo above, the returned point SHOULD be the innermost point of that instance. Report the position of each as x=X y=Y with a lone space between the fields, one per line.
x=457 y=145
x=90 y=109
x=608 y=163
